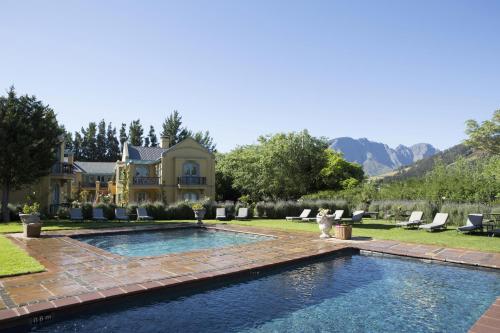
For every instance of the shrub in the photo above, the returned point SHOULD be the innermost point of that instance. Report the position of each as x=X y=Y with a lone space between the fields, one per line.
x=87 y=210
x=108 y=210
x=282 y=209
x=63 y=213
x=395 y=207
x=457 y=213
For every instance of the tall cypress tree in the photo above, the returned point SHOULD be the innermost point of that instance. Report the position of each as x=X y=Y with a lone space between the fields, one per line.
x=113 y=146
x=172 y=127
x=153 y=140
x=77 y=146
x=89 y=142
x=101 y=146
x=123 y=135
x=135 y=133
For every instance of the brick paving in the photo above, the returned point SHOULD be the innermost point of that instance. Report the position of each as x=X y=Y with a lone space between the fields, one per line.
x=77 y=273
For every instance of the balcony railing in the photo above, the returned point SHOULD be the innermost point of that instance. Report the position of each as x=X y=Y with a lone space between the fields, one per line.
x=146 y=180
x=102 y=185
x=191 y=180
x=62 y=169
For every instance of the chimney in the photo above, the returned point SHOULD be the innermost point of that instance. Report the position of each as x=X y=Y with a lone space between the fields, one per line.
x=165 y=142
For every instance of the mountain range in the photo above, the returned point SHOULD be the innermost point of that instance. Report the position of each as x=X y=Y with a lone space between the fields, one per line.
x=378 y=158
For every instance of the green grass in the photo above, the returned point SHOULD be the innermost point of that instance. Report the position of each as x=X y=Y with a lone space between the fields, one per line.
x=14 y=260
x=381 y=229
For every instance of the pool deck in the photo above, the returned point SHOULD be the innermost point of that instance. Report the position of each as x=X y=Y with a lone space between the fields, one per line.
x=78 y=274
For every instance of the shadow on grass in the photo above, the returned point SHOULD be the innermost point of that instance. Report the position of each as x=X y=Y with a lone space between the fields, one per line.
x=376 y=226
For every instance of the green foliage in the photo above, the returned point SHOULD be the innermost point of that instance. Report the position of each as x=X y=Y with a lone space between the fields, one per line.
x=397 y=207
x=152 y=139
x=135 y=133
x=281 y=209
x=34 y=208
x=485 y=136
x=29 y=137
x=338 y=173
x=113 y=152
x=285 y=165
x=457 y=213
x=172 y=128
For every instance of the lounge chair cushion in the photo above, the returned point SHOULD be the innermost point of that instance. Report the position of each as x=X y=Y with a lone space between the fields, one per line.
x=220 y=214
x=305 y=213
x=439 y=222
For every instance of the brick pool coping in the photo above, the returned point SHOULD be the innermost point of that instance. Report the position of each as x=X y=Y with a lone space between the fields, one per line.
x=78 y=274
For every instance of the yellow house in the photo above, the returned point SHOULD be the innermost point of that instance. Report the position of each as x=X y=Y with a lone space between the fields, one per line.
x=95 y=178
x=184 y=171
x=54 y=189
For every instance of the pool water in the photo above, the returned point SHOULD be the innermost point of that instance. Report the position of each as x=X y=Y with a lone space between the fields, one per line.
x=152 y=243
x=348 y=293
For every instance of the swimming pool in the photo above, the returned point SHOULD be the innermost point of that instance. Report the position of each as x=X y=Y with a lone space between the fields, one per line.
x=348 y=293
x=152 y=243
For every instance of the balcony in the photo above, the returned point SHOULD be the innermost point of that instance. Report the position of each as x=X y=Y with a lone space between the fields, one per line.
x=146 y=181
x=62 y=169
x=92 y=185
x=191 y=180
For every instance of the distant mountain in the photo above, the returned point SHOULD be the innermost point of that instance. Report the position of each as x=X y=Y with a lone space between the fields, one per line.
x=378 y=158
x=422 y=166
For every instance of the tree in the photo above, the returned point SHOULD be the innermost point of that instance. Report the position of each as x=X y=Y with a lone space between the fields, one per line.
x=339 y=174
x=172 y=128
x=101 y=141
x=153 y=140
x=89 y=142
x=77 y=146
x=68 y=139
x=485 y=136
x=205 y=140
x=29 y=137
x=112 y=145
x=282 y=166
x=123 y=135
x=135 y=133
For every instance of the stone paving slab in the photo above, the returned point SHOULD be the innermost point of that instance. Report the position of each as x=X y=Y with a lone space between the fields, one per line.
x=78 y=273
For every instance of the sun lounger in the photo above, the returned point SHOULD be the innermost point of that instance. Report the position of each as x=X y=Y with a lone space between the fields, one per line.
x=414 y=220
x=121 y=214
x=242 y=214
x=98 y=214
x=220 y=214
x=75 y=214
x=338 y=214
x=474 y=222
x=357 y=216
x=142 y=214
x=305 y=214
x=438 y=223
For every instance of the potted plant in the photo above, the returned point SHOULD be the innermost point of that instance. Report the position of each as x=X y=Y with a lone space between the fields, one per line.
x=343 y=230
x=325 y=222
x=32 y=226
x=199 y=211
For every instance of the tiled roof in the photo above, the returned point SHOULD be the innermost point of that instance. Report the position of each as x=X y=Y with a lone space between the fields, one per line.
x=145 y=153
x=96 y=167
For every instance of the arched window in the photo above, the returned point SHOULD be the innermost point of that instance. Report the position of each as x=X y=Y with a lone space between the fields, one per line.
x=191 y=169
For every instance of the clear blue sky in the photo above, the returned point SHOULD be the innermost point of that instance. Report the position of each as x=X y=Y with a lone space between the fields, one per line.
x=391 y=71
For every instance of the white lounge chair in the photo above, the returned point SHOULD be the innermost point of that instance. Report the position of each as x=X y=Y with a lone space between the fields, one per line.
x=142 y=214
x=414 y=220
x=357 y=216
x=305 y=214
x=121 y=214
x=75 y=214
x=439 y=222
x=474 y=222
x=242 y=214
x=220 y=214
x=98 y=214
x=338 y=214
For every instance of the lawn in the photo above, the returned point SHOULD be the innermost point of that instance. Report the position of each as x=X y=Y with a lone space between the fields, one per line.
x=13 y=260
x=381 y=229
